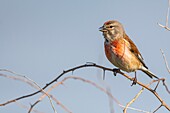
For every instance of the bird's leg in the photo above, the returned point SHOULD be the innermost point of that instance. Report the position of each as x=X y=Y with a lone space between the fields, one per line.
x=115 y=71
x=134 y=80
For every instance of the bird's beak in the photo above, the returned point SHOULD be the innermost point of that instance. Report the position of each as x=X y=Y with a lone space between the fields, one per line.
x=102 y=29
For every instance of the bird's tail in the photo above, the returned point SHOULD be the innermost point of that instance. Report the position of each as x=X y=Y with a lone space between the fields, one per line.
x=149 y=73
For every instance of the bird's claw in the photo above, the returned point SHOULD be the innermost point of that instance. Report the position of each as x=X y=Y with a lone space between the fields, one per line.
x=115 y=71
x=134 y=81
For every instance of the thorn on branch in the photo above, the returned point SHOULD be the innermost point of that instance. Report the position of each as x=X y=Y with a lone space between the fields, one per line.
x=104 y=74
x=90 y=63
x=72 y=72
x=64 y=71
x=47 y=84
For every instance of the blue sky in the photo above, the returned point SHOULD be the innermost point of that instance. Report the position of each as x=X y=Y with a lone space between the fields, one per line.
x=40 y=39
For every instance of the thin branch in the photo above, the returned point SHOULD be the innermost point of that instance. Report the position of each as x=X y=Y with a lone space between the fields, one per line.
x=18 y=77
x=166 y=63
x=133 y=100
x=167 y=17
x=110 y=100
x=151 y=90
x=106 y=91
x=29 y=81
x=157 y=108
x=166 y=87
x=44 y=95
x=59 y=103
x=91 y=83
x=97 y=66
x=49 y=97
x=35 y=85
x=140 y=92
x=26 y=107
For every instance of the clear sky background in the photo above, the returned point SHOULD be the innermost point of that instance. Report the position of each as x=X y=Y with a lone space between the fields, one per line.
x=41 y=38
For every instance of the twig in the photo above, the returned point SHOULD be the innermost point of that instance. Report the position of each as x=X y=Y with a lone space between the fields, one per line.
x=107 y=91
x=157 y=108
x=44 y=95
x=140 y=92
x=35 y=85
x=166 y=27
x=167 y=16
x=103 y=90
x=151 y=90
x=30 y=82
x=110 y=100
x=167 y=67
x=133 y=100
x=166 y=63
x=17 y=77
x=26 y=107
x=97 y=66
x=59 y=103
x=166 y=87
x=89 y=82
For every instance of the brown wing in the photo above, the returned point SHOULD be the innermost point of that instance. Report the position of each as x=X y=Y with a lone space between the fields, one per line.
x=135 y=50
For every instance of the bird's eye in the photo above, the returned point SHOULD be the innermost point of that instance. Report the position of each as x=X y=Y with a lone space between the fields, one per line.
x=111 y=26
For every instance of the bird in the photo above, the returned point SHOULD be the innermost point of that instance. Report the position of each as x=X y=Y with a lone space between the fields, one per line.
x=121 y=51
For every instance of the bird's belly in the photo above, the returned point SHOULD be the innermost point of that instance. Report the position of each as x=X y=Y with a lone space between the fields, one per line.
x=122 y=58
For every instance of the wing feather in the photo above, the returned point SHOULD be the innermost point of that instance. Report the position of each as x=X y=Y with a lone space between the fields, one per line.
x=135 y=50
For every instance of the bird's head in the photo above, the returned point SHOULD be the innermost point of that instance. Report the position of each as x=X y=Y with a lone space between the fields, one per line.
x=112 y=30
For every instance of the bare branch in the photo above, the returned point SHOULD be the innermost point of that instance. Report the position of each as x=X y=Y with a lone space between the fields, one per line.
x=100 y=67
x=106 y=91
x=140 y=92
x=157 y=108
x=166 y=27
x=166 y=87
x=166 y=63
x=133 y=100
x=27 y=80
x=44 y=95
x=26 y=107
x=91 y=83
x=151 y=90
x=49 y=97
x=167 y=16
